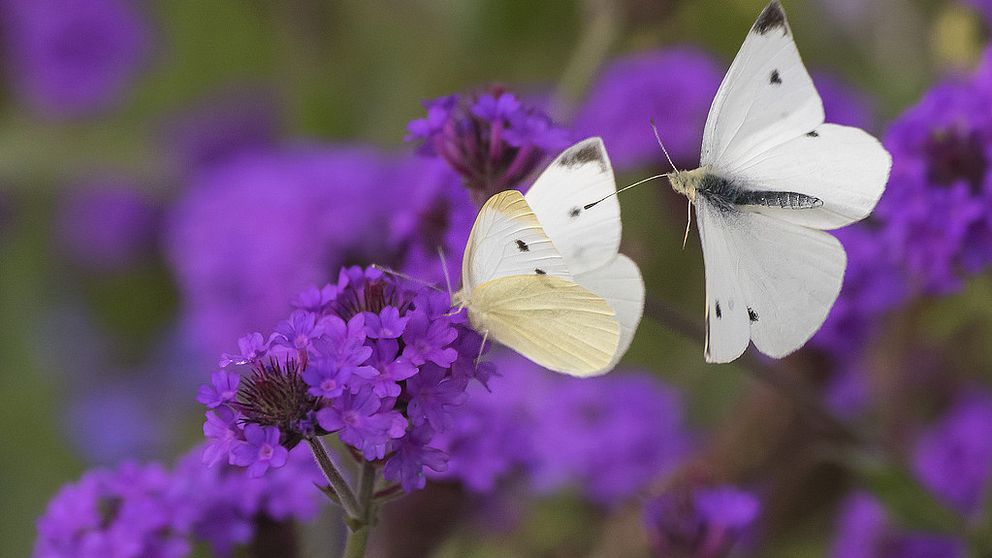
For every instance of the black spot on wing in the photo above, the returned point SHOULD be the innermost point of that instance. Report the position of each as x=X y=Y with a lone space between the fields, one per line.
x=719 y=314
x=574 y=212
x=771 y=19
x=812 y=134
x=776 y=78
x=751 y=314
x=540 y=271
x=522 y=246
x=589 y=153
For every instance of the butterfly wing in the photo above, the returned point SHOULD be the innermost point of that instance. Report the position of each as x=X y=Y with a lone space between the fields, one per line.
x=582 y=174
x=766 y=98
x=554 y=322
x=507 y=240
x=621 y=285
x=767 y=280
x=845 y=168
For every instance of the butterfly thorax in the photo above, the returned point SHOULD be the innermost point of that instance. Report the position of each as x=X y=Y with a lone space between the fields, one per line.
x=687 y=183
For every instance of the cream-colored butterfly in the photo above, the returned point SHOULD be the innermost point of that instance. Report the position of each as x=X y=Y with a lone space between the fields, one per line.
x=573 y=311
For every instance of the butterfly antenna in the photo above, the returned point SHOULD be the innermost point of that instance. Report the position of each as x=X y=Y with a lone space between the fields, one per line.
x=624 y=189
x=662 y=145
x=444 y=268
x=482 y=347
x=395 y=273
x=688 y=223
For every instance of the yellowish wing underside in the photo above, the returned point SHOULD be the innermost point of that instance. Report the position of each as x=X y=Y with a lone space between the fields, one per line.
x=552 y=321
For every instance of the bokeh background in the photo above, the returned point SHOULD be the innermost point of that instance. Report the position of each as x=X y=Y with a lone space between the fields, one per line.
x=173 y=173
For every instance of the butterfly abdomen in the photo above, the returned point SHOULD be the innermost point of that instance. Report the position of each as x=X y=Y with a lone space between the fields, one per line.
x=728 y=195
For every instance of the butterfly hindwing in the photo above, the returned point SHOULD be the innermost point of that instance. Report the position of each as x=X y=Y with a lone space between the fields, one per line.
x=786 y=275
x=766 y=98
x=621 y=285
x=587 y=238
x=550 y=320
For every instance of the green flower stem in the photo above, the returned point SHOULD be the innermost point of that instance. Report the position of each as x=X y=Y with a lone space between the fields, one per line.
x=337 y=481
x=358 y=538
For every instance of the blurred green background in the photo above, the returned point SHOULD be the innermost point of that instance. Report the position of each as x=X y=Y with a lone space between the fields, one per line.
x=358 y=70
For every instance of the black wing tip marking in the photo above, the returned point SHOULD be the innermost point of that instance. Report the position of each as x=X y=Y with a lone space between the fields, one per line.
x=771 y=18
x=775 y=78
x=812 y=134
x=522 y=246
x=540 y=271
x=751 y=314
x=588 y=153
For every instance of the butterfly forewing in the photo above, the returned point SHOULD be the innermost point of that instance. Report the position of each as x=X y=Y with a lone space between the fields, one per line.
x=587 y=238
x=507 y=240
x=550 y=320
x=766 y=98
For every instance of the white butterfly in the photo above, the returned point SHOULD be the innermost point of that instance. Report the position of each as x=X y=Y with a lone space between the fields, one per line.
x=543 y=276
x=772 y=175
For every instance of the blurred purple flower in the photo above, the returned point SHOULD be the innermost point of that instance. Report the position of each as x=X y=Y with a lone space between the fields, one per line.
x=953 y=458
x=842 y=103
x=412 y=456
x=491 y=139
x=934 y=212
x=107 y=225
x=259 y=450
x=864 y=531
x=222 y=129
x=251 y=233
x=68 y=59
x=700 y=522
x=675 y=87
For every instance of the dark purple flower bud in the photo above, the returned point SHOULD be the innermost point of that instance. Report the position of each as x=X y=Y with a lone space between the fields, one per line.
x=259 y=450
x=275 y=394
x=491 y=139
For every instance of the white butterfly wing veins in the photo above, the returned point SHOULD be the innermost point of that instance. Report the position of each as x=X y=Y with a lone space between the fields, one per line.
x=772 y=173
x=589 y=238
x=518 y=291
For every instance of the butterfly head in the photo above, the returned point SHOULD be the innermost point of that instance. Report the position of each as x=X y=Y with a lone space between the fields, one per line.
x=687 y=182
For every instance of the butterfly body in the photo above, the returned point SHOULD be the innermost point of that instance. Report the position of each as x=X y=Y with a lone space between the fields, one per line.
x=773 y=177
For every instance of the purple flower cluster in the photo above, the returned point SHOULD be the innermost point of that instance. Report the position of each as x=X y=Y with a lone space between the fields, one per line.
x=935 y=211
x=865 y=531
x=492 y=139
x=708 y=521
x=136 y=510
x=953 y=457
x=71 y=58
x=611 y=436
x=380 y=364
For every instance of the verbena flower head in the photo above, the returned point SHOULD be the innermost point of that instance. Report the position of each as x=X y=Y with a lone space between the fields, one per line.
x=934 y=210
x=953 y=458
x=139 y=511
x=492 y=139
x=705 y=521
x=71 y=58
x=675 y=87
x=377 y=362
x=865 y=531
